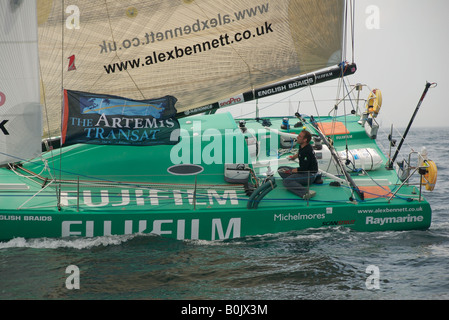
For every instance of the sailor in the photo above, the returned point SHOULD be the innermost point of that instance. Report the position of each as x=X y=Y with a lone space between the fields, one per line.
x=298 y=179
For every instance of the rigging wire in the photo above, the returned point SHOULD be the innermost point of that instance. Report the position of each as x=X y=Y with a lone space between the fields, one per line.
x=353 y=29
x=58 y=186
x=48 y=124
x=116 y=55
x=349 y=23
x=272 y=104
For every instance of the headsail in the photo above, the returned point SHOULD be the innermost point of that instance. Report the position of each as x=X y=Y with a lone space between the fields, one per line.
x=199 y=51
x=20 y=111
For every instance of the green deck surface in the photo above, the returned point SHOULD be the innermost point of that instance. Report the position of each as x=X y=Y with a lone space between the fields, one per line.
x=121 y=190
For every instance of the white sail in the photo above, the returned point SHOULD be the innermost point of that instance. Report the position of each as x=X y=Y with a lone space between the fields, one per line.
x=20 y=109
x=199 y=51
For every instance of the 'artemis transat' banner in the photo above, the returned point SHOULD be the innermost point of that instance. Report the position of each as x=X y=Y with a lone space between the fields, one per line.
x=112 y=120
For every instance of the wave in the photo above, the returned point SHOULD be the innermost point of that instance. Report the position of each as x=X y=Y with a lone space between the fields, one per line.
x=73 y=243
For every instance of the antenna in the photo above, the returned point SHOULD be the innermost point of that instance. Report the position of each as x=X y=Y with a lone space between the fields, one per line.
x=428 y=85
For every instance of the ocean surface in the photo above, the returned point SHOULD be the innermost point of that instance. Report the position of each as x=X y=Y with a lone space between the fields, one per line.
x=322 y=264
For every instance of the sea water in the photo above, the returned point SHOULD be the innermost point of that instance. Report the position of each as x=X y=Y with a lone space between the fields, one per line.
x=319 y=264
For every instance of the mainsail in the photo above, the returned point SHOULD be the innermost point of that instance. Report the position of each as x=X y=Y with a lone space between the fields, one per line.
x=199 y=51
x=20 y=111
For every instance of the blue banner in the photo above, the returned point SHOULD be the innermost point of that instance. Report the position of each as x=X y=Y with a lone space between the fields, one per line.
x=112 y=120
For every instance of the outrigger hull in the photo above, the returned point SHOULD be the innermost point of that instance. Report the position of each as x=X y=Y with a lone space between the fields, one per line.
x=202 y=206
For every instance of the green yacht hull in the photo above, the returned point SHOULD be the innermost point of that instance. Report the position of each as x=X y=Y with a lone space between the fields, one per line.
x=143 y=198
x=214 y=225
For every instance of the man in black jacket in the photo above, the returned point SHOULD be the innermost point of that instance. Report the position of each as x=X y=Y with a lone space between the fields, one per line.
x=305 y=174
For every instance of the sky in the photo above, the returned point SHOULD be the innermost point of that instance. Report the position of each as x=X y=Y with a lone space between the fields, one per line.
x=406 y=48
x=399 y=46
